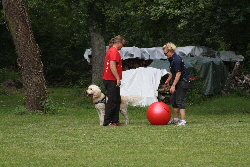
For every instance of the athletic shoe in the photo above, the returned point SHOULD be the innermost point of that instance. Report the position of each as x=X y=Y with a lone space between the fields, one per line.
x=173 y=122
x=112 y=124
x=182 y=123
x=118 y=124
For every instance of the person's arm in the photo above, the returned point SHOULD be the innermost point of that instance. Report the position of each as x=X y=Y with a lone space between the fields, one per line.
x=177 y=78
x=168 y=80
x=114 y=72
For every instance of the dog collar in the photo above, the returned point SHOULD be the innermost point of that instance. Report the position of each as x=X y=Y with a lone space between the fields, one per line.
x=102 y=101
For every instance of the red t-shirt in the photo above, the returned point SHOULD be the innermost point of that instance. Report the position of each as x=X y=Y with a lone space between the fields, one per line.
x=112 y=55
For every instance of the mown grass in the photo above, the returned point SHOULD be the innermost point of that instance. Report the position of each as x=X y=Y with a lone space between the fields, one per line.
x=218 y=134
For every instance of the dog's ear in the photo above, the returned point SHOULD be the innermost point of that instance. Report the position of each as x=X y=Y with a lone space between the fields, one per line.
x=97 y=92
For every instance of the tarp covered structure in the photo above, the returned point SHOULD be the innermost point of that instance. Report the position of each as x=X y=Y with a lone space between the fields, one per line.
x=200 y=62
x=192 y=51
x=187 y=51
x=229 y=56
x=135 y=52
x=210 y=70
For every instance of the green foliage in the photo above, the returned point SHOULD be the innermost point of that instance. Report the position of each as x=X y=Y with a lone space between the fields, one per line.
x=4 y=91
x=8 y=57
x=49 y=106
x=8 y=74
x=206 y=23
x=61 y=30
x=241 y=92
x=245 y=65
x=194 y=94
x=20 y=110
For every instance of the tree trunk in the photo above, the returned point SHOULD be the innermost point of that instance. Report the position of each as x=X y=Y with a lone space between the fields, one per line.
x=97 y=44
x=29 y=58
x=98 y=54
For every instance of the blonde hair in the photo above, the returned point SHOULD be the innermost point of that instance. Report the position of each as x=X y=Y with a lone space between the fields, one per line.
x=169 y=46
x=117 y=39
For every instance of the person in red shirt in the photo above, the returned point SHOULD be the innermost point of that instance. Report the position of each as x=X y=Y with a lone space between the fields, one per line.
x=112 y=75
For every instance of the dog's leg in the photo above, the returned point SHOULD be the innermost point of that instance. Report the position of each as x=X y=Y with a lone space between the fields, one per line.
x=124 y=112
x=101 y=116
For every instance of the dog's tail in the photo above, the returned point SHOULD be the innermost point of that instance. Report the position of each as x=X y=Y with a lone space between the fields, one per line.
x=131 y=100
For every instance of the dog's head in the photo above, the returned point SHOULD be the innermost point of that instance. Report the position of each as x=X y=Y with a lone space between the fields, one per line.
x=93 y=91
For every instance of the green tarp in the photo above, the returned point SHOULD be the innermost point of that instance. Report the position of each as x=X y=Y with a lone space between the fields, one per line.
x=210 y=70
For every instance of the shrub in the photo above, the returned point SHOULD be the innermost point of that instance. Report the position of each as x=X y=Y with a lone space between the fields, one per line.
x=194 y=95
x=49 y=106
x=9 y=74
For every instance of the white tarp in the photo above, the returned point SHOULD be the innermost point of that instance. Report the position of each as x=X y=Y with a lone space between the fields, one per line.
x=152 y=53
x=130 y=52
x=135 y=52
x=87 y=53
x=195 y=51
x=142 y=82
x=230 y=56
x=157 y=52
x=184 y=51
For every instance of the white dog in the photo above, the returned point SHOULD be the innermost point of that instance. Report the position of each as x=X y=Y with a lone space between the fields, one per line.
x=99 y=99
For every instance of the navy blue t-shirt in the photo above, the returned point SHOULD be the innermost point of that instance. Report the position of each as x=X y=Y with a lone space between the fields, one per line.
x=177 y=65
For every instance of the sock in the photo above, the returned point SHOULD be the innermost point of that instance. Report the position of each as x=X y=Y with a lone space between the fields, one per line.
x=183 y=121
x=176 y=119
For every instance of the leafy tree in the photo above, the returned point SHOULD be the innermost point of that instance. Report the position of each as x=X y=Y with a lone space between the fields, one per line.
x=211 y=23
x=28 y=52
x=62 y=34
x=96 y=25
x=64 y=29
x=7 y=51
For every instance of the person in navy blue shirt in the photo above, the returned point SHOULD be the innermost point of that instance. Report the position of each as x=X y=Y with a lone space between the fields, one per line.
x=179 y=81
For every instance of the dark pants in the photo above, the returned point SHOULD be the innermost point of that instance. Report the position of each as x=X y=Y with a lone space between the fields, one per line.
x=178 y=97
x=112 y=106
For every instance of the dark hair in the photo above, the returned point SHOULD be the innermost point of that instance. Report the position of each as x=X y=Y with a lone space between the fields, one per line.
x=117 y=39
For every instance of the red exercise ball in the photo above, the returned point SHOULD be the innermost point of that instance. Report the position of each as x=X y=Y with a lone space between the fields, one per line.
x=158 y=113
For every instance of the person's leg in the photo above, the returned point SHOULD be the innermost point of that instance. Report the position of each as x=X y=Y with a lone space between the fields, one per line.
x=180 y=98
x=176 y=110
x=116 y=102
x=110 y=107
x=180 y=95
x=183 y=114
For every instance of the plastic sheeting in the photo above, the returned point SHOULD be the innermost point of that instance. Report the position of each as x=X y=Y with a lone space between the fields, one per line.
x=130 y=52
x=195 y=51
x=135 y=52
x=142 y=82
x=230 y=56
x=210 y=70
x=152 y=53
x=187 y=51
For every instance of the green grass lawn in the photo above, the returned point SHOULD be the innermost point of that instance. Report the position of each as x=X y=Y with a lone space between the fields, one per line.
x=218 y=134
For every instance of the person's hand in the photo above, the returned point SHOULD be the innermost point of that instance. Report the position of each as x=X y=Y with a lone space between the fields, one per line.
x=172 y=89
x=166 y=84
x=118 y=83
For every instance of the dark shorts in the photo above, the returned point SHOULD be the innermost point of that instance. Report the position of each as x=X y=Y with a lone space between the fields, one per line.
x=178 y=97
